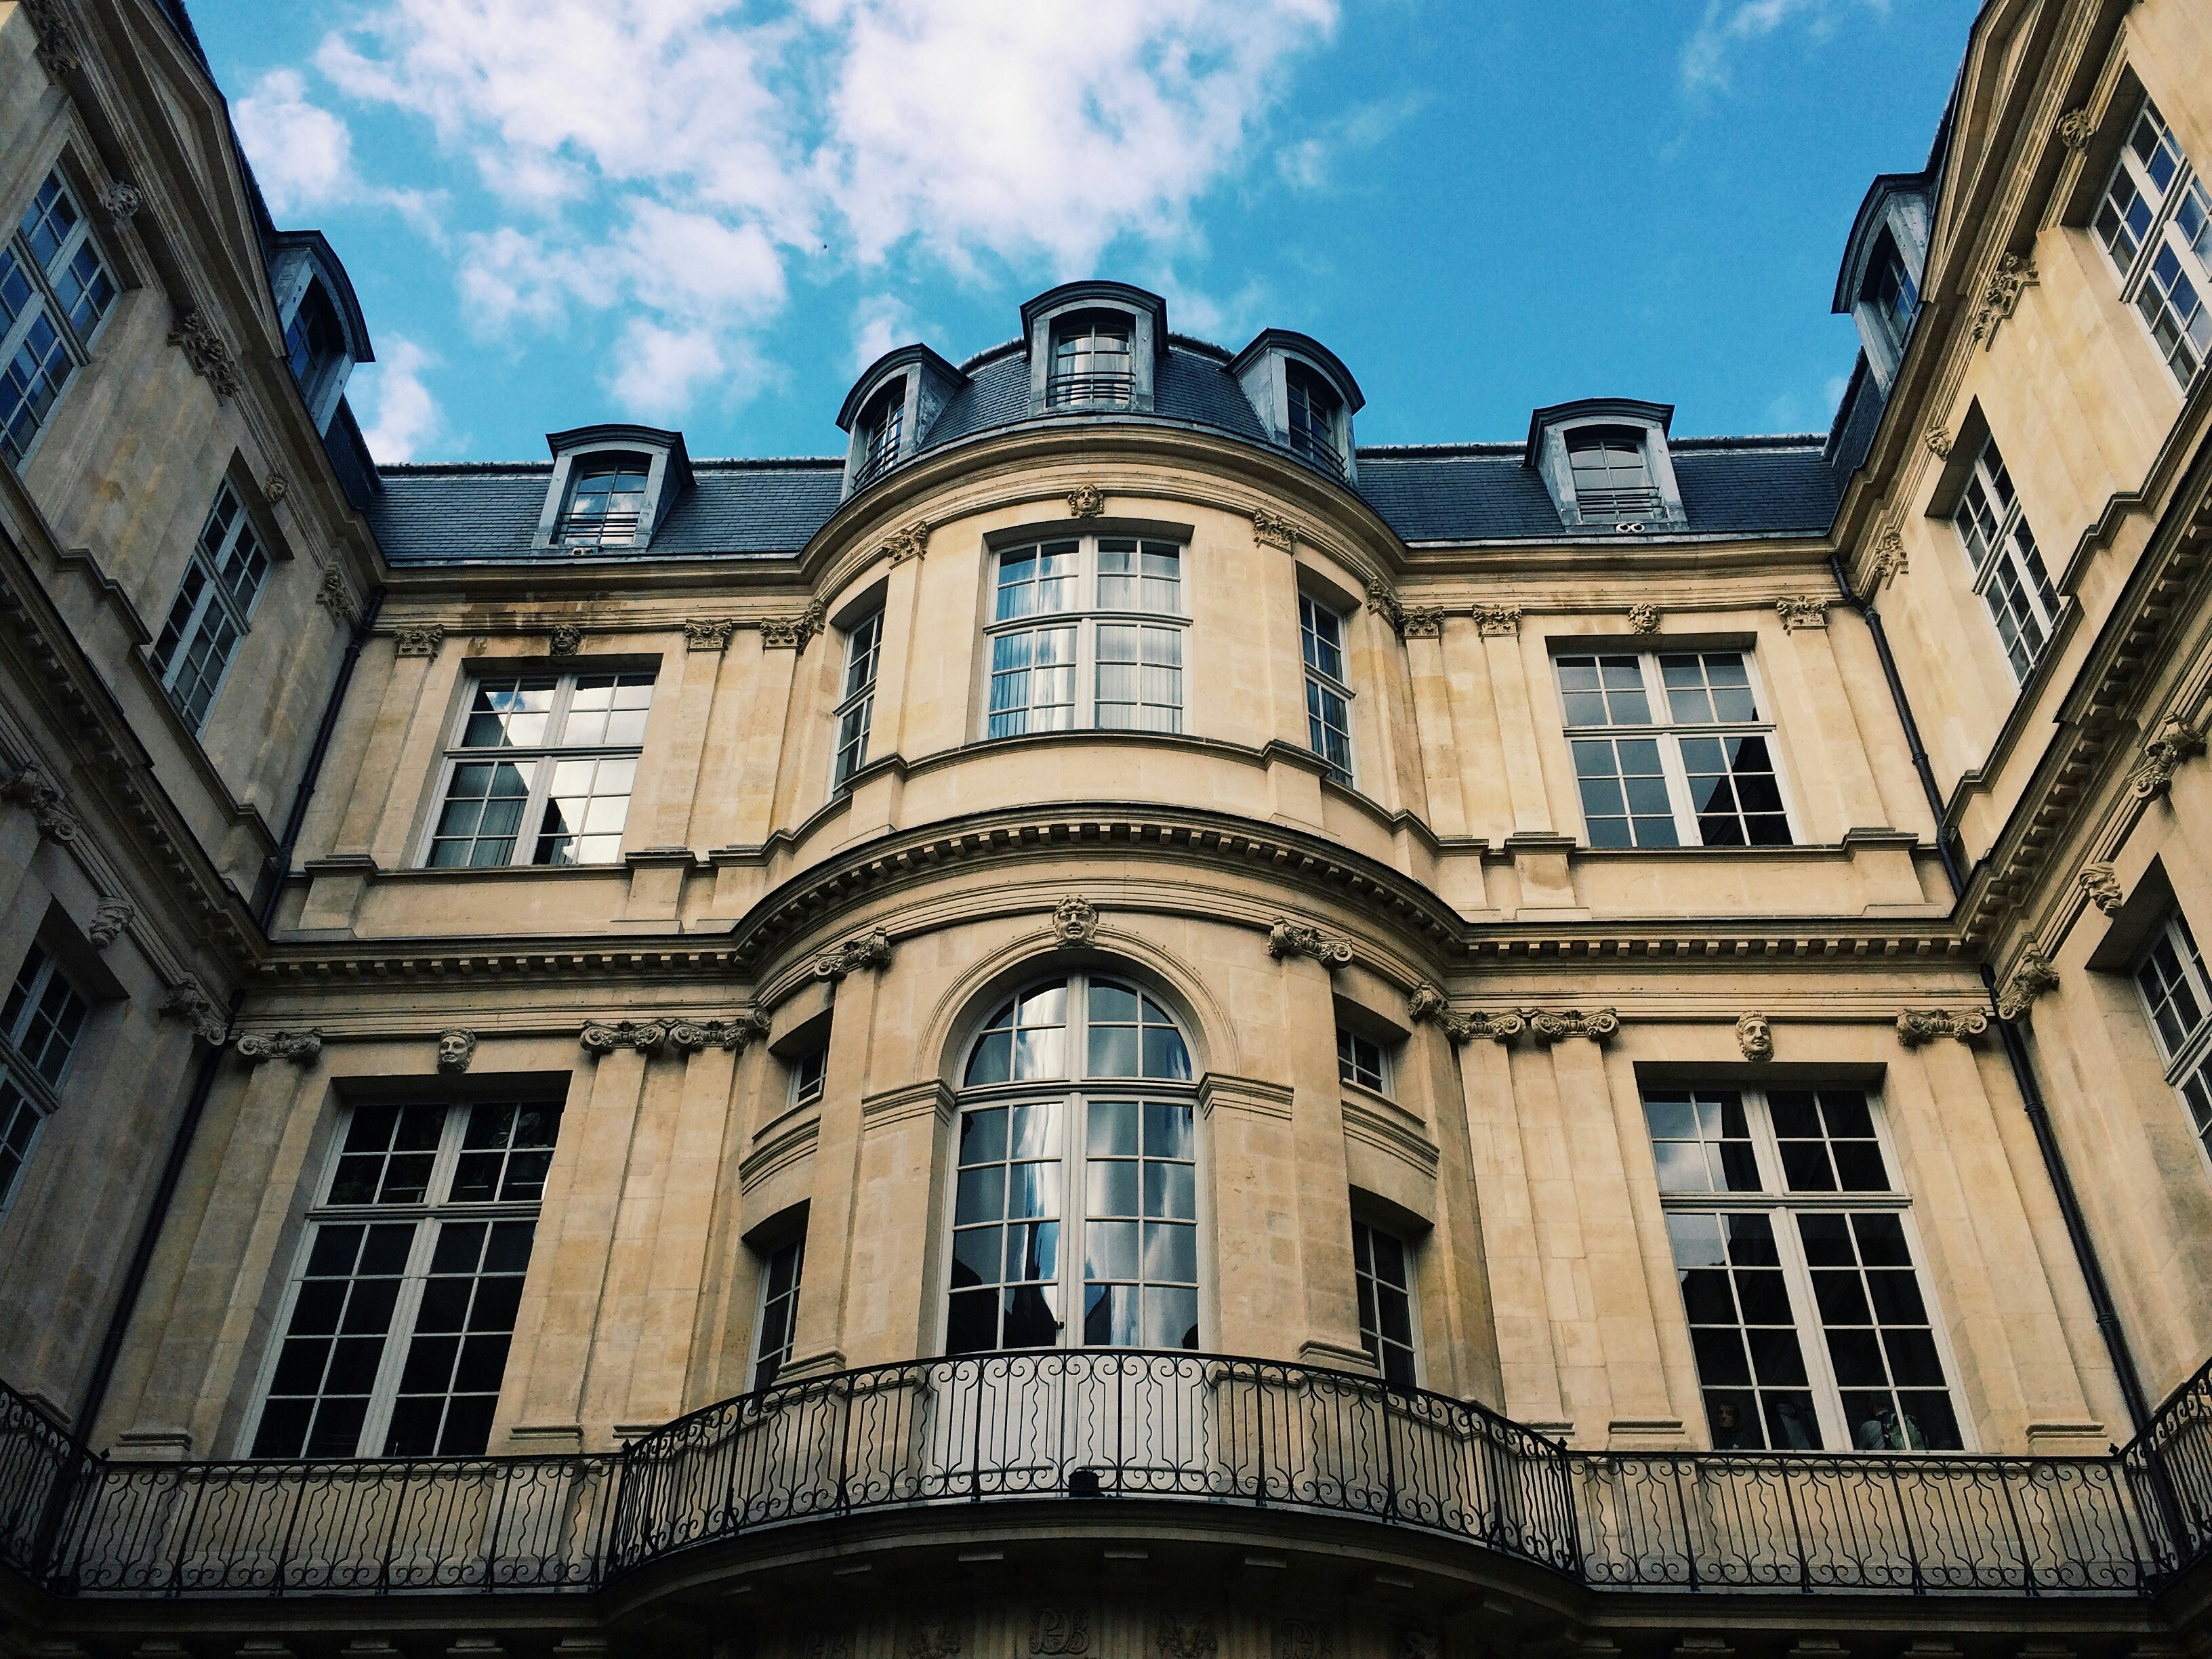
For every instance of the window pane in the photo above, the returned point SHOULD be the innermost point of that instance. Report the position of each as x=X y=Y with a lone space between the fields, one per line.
x=1701 y=1142
x=1002 y=1293
x=1880 y=1345
x=1624 y=792
x=326 y=1368
x=1751 y=1367
x=509 y=713
x=584 y=811
x=1032 y=682
x=458 y=1355
x=1386 y=1307
x=482 y=813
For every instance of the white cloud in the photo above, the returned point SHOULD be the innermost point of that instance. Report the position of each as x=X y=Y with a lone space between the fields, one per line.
x=879 y=323
x=403 y=415
x=302 y=154
x=1728 y=24
x=677 y=160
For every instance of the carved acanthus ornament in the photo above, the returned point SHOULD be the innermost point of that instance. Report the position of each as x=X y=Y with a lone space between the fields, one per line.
x=2075 y=128
x=457 y=1051
x=565 y=641
x=33 y=790
x=418 y=639
x=1059 y=1632
x=1382 y=600
x=869 y=949
x=604 y=1036
x=301 y=1048
x=1754 y=1034
x=1497 y=618
x=1273 y=529
x=1186 y=1635
x=1075 y=920
x=1085 y=500
x=2101 y=885
x=109 y=921
x=187 y=1002
x=2174 y=742
x=910 y=543
x=56 y=39
x=731 y=1035
x=208 y=352
x=791 y=633
x=1422 y=621
x=709 y=635
x=2030 y=980
x=1916 y=1026
x=1427 y=1003
x=1801 y=612
x=2014 y=275
x=1938 y=440
x=120 y=201
x=1889 y=560
x=1557 y=1024
x=333 y=595
x=1302 y=938
x=1643 y=618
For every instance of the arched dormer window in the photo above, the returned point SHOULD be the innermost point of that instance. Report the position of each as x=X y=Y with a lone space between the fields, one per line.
x=1891 y=293
x=1604 y=460
x=606 y=500
x=876 y=436
x=1092 y=358
x=325 y=336
x=612 y=488
x=1612 y=474
x=888 y=410
x=1304 y=396
x=1094 y=345
x=1074 y=1217
x=1314 y=414
x=1880 y=282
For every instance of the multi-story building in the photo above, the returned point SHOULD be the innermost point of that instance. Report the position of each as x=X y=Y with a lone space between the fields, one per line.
x=1111 y=1024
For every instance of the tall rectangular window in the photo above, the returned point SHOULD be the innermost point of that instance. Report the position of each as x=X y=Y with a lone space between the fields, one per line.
x=2178 y=996
x=540 y=770
x=606 y=501
x=223 y=582
x=1383 y=1270
x=40 y=1025
x=1671 y=749
x=856 y=702
x=1087 y=631
x=2155 y=223
x=400 y=1313
x=778 y=1326
x=1091 y=359
x=1793 y=1245
x=1328 y=689
x=54 y=290
x=2009 y=571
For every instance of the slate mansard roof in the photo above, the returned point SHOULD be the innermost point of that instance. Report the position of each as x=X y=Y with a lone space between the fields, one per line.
x=1730 y=487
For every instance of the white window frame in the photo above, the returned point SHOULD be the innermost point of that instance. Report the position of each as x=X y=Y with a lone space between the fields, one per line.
x=214 y=605
x=28 y=1098
x=1776 y=1199
x=809 y=1070
x=1641 y=504
x=2189 y=1060
x=2004 y=568
x=593 y=532
x=1415 y=1357
x=795 y=1246
x=1348 y=1037
x=855 y=711
x=1088 y=386
x=545 y=756
x=42 y=302
x=399 y=1330
x=1669 y=733
x=1320 y=685
x=1073 y=1093
x=1086 y=615
x=2177 y=235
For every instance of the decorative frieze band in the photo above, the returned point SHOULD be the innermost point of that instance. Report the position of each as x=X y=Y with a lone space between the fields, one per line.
x=1302 y=938
x=869 y=949
x=688 y=1036
x=301 y=1048
x=1916 y=1026
x=1427 y=1004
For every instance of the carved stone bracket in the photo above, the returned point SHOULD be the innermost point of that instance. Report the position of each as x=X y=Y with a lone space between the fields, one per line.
x=1300 y=938
x=120 y=201
x=32 y=789
x=1801 y=612
x=869 y=949
x=2075 y=128
x=457 y=1051
x=1075 y=920
x=1427 y=1003
x=108 y=922
x=208 y=352
x=709 y=635
x=418 y=639
x=1754 y=1034
x=186 y=1001
x=1889 y=560
x=565 y=641
x=2101 y=886
x=1916 y=1026
x=732 y=1036
x=1643 y=618
x=333 y=595
x=604 y=1037
x=58 y=48
x=1938 y=440
x=1501 y=619
x=1186 y=1635
x=2033 y=976
x=2014 y=275
x=1552 y=1025
x=1085 y=500
x=910 y=543
x=791 y=633
x=1273 y=529
x=301 y=1048
x=1422 y=621
x=2174 y=742
x=1382 y=600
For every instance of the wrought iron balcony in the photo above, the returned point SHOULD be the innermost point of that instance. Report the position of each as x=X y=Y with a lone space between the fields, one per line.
x=1103 y=388
x=1112 y=1425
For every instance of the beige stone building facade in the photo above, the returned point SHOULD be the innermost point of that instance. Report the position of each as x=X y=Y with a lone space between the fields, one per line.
x=1111 y=1024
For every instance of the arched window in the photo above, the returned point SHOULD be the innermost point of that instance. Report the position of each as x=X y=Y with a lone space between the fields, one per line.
x=1077 y=1183
x=1091 y=359
x=1611 y=476
x=606 y=500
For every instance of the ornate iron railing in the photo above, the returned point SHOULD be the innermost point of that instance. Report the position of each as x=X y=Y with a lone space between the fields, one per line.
x=1113 y=1425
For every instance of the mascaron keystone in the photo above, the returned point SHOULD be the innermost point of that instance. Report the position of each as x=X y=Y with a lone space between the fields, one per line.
x=1075 y=920
x=1643 y=618
x=1916 y=1026
x=1300 y=938
x=1754 y=1034
x=2100 y=884
x=1085 y=500
x=869 y=949
x=1186 y=1635
x=108 y=921
x=457 y=1051
x=301 y=1048
x=565 y=641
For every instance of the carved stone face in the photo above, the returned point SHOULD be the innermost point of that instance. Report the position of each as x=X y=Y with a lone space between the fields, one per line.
x=455 y=1050
x=1755 y=1036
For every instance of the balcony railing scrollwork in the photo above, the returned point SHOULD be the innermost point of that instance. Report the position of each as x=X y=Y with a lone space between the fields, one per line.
x=1112 y=1425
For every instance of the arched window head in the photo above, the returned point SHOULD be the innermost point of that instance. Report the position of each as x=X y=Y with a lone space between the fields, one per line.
x=1127 y=1035
x=1612 y=475
x=606 y=499
x=1092 y=358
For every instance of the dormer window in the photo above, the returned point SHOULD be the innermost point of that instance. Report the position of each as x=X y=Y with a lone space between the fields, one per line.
x=1314 y=410
x=1304 y=396
x=1611 y=478
x=1091 y=359
x=881 y=426
x=1879 y=284
x=606 y=500
x=313 y=340
x=324 y=335
x=1604 y=461
x=1892 y=291
x=612 y=488
x=887 y=415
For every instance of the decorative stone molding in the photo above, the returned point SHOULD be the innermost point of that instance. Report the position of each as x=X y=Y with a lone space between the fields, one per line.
x=1186 y=1635
x=457 y=1051
x=2101 y=886
x=1075 y=920
x=1888 y=558
x=910 y=543
x=1497 y=618
x=601 y=1037
x=1916 y=1026
x=1301 y=1638
x=565 y=641
x=1085 y=500
x=1382 y=600
x=1427 y=1003
x=1938 y=440
x=2174 y=742
x=1801 y=612
x=2075 y=128
x=1300 y=938
x=709 y=635
x=1755 y=1036
x=108 y=922
x=186 y=1001
x=1422 y=621
x=1643 y=618
x=732 y=1036
x=1059 y=1632
x=120 y=201
x=2014 y=276
x=869 y=949
x=791 y=633
x=333 y=595
x=418 y=639
x=208 y=352
x=2033 y=976
x=1273 y=529
x=57 y=47
x=933 y=1637
x=33 y=790
x=301 y=1048
x=1552 y=1025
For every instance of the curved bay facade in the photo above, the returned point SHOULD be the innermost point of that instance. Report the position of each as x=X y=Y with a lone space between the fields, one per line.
x=1112 y=1024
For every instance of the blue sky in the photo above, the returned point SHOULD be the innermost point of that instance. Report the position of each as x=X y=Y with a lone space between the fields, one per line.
x=709 y=215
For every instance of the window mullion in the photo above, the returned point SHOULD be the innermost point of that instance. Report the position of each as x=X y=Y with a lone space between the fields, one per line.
x=1812 y=1331
x=1678 y=788
x=534 y=807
